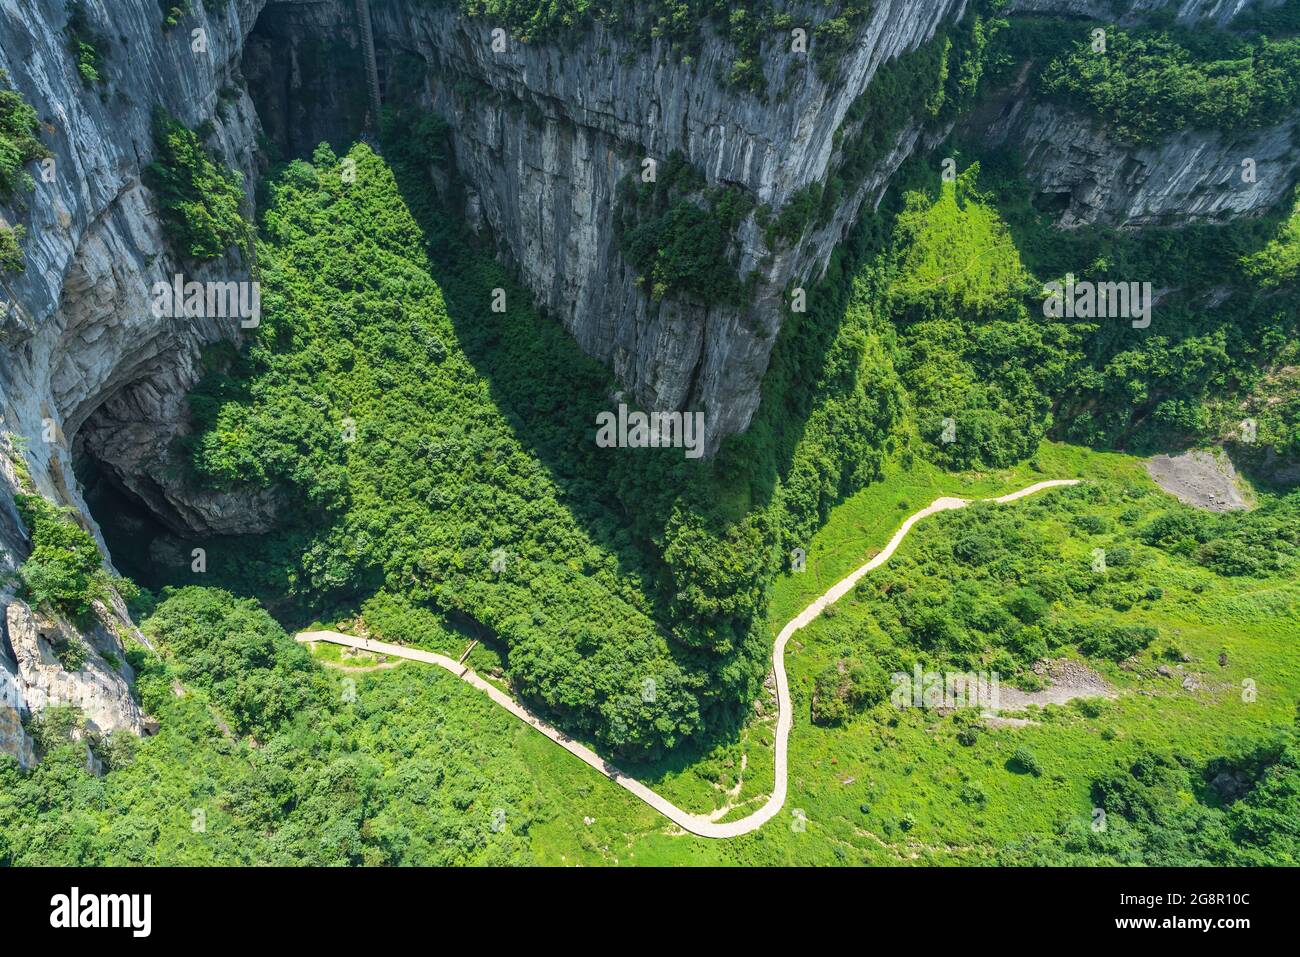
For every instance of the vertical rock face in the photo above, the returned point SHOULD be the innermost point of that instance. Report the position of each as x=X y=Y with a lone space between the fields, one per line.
x=543 y=132
x=1191 y=176
x=305 y=77
x=97 y=680
x=78 y=329
x=574 y=119
x=1185 y=12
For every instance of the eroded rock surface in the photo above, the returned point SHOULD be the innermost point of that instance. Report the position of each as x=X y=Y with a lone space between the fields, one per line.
x=91 y=676
x=1093 y=178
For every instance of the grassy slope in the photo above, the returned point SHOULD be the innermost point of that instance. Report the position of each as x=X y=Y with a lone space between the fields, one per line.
x=917 y=768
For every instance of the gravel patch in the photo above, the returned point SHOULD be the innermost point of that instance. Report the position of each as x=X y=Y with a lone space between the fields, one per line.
x=1203 y=479
x=1069 y=679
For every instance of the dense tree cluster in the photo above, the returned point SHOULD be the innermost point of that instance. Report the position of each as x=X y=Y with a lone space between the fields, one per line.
x=1147 y=84
x=846 y=686
x=680 y=234
x=64 y=569
x=263 y=757
x=356 y=398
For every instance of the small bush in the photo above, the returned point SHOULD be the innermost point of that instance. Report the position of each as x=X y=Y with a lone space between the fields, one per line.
x=846 y=686
x=173 y=11
x=973 y=794
x=85 y=43
x=11 y=249
x=1089 y=707
x=18 y=143
x=1026 y=762
x=1027 y=605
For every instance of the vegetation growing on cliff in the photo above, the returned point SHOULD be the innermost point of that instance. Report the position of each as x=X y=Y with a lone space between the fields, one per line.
x=85 y=43
x=1272 y=21
x=680 y=234
x=174 y=11
x=748 y=27
x=198 y=197
x=921 y=88
x=19 y=145
x=1146 y=84
x=64 y=568
x=11 y=249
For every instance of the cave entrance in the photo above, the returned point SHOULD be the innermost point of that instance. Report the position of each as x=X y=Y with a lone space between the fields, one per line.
x=306 y=77
x=130 y=529
x=126 y=457
x=1053 y=204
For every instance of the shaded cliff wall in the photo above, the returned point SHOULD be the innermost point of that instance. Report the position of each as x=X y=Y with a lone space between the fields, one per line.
x=1191 y=176
x=1184 y=12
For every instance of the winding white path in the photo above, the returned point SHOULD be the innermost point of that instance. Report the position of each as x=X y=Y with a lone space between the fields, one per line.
x=695 y=823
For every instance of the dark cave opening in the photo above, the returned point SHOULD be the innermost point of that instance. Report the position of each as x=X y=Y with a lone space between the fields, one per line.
x=1054 y=204
x=304 y=69
x=130 y=528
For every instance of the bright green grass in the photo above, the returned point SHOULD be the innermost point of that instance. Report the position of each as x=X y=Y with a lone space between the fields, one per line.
x=328 y=653
x=959 y=248
x=865 y=522
x=929 y=799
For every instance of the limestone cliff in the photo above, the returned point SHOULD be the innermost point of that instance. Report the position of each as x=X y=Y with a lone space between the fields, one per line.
x=1091 y=177
x=575 y=119
x=544 y=131
x=78 y=329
